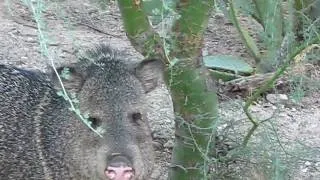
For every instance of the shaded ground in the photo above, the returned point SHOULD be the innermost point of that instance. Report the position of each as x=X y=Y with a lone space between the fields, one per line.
x=74 y=25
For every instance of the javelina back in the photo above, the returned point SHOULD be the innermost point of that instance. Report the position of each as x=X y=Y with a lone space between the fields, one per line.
x=41 y=139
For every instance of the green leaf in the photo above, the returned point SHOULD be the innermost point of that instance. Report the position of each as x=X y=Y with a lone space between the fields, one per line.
x=154 y=9
x=65 y=73
x=60 y=93
x=272 y=18
x=228 y=64
x=158 y=10
x=224 y=76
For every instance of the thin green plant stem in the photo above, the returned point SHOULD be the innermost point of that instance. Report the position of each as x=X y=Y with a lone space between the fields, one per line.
x=37 y=11
x=246 y=38
x=268 y=85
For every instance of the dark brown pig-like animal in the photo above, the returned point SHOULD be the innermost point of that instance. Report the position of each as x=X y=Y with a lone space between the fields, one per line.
x=40 y=138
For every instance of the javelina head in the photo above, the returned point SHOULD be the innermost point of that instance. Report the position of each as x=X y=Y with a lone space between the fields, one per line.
x=113 y=94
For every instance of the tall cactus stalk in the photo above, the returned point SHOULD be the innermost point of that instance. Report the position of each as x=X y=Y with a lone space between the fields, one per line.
x=193 y=94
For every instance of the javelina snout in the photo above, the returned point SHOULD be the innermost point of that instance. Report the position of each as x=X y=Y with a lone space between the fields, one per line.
x=109 y=91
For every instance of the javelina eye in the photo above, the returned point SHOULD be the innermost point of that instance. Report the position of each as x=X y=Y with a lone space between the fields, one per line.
x=136 y=117
x=95 y=122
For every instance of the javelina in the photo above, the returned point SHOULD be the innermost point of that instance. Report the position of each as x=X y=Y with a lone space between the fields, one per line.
x=41 y=139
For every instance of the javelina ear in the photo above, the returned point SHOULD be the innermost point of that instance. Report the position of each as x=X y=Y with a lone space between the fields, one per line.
x=71 y=78
x=150 y=72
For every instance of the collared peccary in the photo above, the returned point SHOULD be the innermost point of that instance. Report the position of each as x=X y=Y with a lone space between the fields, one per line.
x=40 y=138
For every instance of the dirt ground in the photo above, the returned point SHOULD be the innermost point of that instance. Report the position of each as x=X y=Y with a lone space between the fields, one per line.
x=73 y=25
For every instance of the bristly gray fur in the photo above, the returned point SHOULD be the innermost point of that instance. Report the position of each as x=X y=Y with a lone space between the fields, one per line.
x=41 y=139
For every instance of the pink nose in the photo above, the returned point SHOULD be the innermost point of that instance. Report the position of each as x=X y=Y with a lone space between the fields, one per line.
x=119 y=173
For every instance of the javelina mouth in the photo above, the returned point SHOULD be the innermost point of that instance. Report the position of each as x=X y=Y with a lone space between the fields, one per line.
x=119 y=168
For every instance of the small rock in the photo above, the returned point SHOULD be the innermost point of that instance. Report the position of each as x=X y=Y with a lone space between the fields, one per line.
x=304 y=170
x=222 y=126
x=283 y=114
x=157 y=145
x=169 y=144
x=307 y=163
x=219 y=15
x=24 y=58
x=255 y=109
x=31 y=40
x=277 y=98
x=267 y=105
